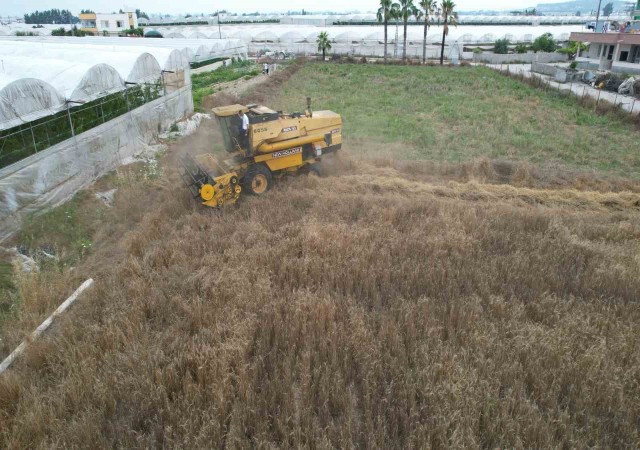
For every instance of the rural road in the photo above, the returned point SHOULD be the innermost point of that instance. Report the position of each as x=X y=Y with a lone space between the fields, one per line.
x=626 y=102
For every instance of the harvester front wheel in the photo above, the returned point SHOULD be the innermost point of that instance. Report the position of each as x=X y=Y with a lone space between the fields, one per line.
x=258 y=180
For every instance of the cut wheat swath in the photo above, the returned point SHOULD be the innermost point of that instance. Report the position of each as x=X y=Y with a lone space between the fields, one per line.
x=44 y=325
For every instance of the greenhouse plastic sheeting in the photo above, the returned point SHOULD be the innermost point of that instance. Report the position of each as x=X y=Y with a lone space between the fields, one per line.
x=26 y=99
x=53 y=176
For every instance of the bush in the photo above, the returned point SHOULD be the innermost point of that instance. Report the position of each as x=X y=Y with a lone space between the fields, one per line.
x=477 y=51
x=521 y=48
x=573 y=65
x=75 y=31
x=544 y=43
x=135 y=32
x=501 y=46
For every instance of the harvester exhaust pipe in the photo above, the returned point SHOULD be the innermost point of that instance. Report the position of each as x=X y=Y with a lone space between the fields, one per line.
x=309 y=111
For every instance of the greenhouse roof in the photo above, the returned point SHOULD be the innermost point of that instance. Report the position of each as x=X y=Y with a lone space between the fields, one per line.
x=41 y=75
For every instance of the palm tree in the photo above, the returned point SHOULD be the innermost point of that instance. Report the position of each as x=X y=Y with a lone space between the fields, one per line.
x=407 y=9
x=387 y=11
x=428 y=9
x=324 y=43
x=449 y=17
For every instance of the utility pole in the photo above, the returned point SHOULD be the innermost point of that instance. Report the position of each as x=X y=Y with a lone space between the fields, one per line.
x=219 y=31
x=598 y=15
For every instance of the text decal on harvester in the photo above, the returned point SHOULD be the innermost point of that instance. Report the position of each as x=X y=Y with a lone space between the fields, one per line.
x=337 y=130
x=289 y=152
x=288 y=129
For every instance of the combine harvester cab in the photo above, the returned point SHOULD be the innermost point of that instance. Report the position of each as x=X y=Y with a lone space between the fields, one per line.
x=276 y=144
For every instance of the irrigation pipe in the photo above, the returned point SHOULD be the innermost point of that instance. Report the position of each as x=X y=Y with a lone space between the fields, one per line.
x=44 y=325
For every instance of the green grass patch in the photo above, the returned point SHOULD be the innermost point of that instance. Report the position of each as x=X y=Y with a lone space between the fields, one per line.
x=7 y=287
x=457 y=114
x=203 y=84
x=6 y=276
x=66 y=231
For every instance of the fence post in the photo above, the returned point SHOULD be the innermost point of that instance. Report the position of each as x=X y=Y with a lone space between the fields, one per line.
x=73 y=132
x=126 y=98
x=102 y=109
x=598 y=100
x=33 y=137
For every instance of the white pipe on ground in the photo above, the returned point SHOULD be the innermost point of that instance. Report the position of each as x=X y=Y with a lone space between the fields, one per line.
x=44 y=325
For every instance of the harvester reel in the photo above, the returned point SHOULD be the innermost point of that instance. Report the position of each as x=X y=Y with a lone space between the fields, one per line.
x=207 y=192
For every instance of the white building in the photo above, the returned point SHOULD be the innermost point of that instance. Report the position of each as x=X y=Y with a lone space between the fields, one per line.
x=110 y=23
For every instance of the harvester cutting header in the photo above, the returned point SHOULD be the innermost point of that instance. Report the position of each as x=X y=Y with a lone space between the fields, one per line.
x=273 y=144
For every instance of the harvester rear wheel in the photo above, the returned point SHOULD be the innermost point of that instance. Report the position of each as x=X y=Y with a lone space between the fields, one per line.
x=258 y=180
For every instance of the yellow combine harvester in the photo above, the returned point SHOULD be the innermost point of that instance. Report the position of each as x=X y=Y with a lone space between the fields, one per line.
x=276 y=144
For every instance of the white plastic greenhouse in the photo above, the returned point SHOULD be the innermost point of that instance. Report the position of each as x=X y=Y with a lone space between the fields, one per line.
x=303 y=37
x=72 y=109
x=41 y=74
x=189 y=47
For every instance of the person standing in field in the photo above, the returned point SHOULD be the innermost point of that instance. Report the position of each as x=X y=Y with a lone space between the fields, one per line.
x=244 y=129
x=266 y=69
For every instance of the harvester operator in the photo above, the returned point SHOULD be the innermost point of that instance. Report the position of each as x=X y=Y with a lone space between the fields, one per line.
x=244 y=130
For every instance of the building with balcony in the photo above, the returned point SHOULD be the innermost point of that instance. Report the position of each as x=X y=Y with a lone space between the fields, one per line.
x=108 y=23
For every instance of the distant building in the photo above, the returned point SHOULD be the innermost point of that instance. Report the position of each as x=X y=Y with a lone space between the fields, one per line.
x=110 y=23
x=619 y=52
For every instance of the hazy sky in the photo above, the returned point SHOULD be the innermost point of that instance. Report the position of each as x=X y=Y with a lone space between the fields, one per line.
x=19 y=7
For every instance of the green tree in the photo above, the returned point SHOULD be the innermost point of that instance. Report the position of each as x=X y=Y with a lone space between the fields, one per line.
x=544 y=43
x=449 y=17
x=501 y=46
x=407 y=9
x=324 y=43
x=387 y=11
x=142 y=14
x=51 y=16
x=607 y=10
x=428 y=10
x=573 y=48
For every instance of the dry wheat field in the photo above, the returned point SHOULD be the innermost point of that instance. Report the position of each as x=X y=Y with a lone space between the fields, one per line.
x=397 y=302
